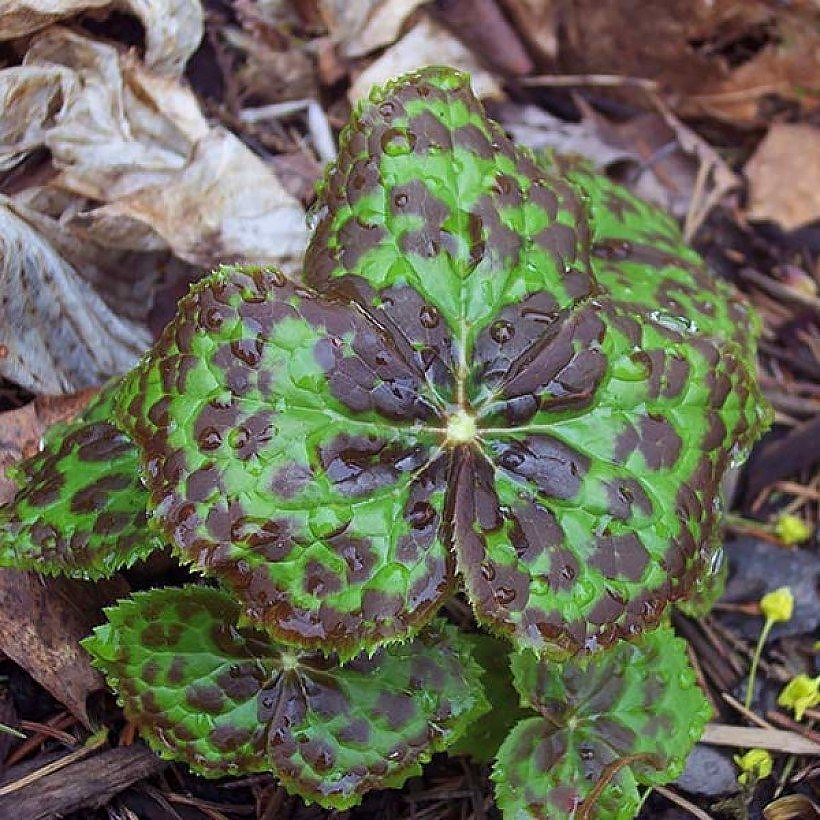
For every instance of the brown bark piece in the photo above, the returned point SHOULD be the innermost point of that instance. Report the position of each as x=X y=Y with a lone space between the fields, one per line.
x=85 y=784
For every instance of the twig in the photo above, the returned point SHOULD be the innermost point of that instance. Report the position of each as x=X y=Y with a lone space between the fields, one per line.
x=780 y=290
x=601 y=80
x=747 y=713
x=95 y=741
x=683 y=803
x=749 y=737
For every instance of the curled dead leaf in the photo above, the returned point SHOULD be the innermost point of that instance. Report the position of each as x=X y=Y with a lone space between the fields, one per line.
x=427 y=43
x=57 y=335
x=361 y=27
x=41 y=624
x=784 y=176
x=173 y=28
x=140 y=144
x=792 y=807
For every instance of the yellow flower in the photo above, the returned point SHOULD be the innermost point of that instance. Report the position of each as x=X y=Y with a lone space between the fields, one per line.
x=791 y=529
x=756 y=762
x=777 y=605
x=800 y=693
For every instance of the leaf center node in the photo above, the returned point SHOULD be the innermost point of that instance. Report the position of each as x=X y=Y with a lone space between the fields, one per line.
x=461 y=427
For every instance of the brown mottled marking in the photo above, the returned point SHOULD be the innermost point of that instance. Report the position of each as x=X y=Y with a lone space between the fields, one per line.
x=658 y=442
x=554 y=468
x=620 y=556
x=397 y=709
x=205 y=697
x=228 y=738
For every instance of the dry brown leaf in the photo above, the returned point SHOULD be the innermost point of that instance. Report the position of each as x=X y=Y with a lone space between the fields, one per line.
x=536 y=22
x=56 y=334
x=140 y=144
x=427 y=43
x=792 y=807
x=784 y=176
x=361 y=27
x=788 y=68
x=41 y=622
x=697 y=51
x=173 y=28
x=484 y=30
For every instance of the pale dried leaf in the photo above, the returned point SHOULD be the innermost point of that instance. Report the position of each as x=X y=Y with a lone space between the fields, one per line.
x=366 y=25
x=784 y=176
x=173 y=28
x=534 y=127
x=21 y=17
x=173 y=31
x=30 y=98
x=225 y=205
x=56 y=334
x=41 y=623
x=425 y=44
x=140 y=144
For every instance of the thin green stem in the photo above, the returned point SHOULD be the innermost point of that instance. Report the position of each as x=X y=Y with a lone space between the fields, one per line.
x=750 y=686
x=11 y=731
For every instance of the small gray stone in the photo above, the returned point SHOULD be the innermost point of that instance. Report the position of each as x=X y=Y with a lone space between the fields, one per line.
x=708 y=773
x=757 y=567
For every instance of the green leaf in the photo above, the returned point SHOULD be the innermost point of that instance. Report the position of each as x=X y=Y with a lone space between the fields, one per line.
x=509 y=368
x=482 y=738
x=288 y=453
x=81 y=507
x=226 y=700
x=607 y=722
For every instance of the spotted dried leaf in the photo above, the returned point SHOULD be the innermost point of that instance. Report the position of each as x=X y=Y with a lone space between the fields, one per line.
x=606 y=724
x=226 y=700
x=80 y=509
x=505 y=366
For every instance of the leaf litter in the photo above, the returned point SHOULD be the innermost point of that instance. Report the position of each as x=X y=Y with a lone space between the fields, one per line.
x=96 y=139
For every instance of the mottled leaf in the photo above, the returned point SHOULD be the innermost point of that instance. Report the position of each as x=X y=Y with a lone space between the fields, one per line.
x=291 y=450
x=80 y=509
x=482 y=738
x=502 y=365
x=607 y=723
x=226 y=700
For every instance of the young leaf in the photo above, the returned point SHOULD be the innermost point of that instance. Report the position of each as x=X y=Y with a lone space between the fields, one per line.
x=482 y=738
x=488 y=371
x=81 y=507
x=226 y=700
x=607 y=722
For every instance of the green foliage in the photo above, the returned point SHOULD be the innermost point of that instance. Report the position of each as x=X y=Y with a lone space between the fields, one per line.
x=500 y=374
x=482 y=738
x=500 y=367
x=606 y=723
x=226 y=700
x=81 y=507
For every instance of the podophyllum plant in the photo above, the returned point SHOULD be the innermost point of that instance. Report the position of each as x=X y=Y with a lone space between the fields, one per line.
x=501 y=375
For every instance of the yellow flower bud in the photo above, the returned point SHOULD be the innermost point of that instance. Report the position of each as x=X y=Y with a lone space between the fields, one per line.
x=791 y=529
x=800 y=693
x=777 y=605
x=756 y=763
